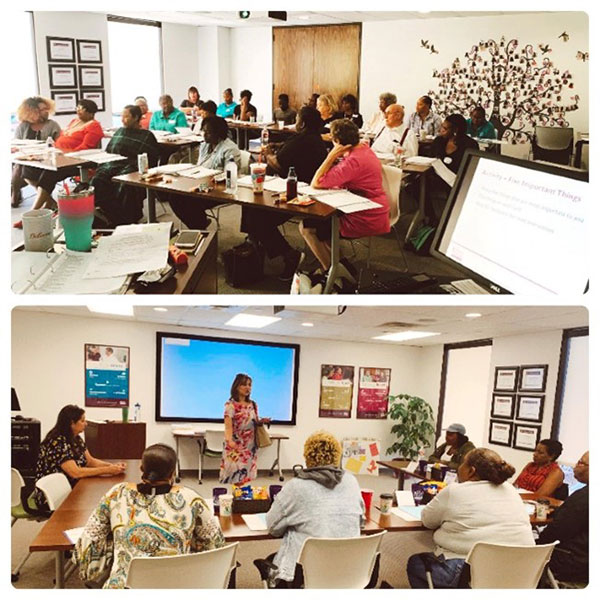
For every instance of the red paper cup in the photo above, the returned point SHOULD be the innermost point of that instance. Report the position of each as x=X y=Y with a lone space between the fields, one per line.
x=367 y=496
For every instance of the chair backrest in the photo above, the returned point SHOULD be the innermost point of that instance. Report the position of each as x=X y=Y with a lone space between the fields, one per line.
x=339 y=563
x=561 y=492
x=392 y=178
x=214 y=440
x=554 y=138
x=16 y=483
x=507 y=567
x=202 y=570
x=56 y=488
x=245 y=162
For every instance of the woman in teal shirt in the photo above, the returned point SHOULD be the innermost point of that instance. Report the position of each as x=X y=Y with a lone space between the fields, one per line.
x=478 y=126
x=226 y=108
x=169 y=118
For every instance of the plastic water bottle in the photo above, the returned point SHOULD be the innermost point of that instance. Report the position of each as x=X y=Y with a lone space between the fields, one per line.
x=50 y=155
x=231 y=173
x=137 y=412
x=264 y=137
x=291 y=187
x=397 y=154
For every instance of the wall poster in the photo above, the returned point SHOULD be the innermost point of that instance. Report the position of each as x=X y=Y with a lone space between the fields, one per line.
x=337 y=383
x=360 y=456
x=373 y=392
x=106 y=375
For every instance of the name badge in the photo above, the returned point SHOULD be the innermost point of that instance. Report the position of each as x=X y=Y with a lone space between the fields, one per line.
x=171 y=121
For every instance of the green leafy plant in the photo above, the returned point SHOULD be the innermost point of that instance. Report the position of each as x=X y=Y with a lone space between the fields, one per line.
x=414 y=428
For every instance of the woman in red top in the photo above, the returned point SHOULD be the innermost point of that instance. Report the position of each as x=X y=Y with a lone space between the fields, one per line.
x=82 y=133
x=543 y=476
x=358 y=171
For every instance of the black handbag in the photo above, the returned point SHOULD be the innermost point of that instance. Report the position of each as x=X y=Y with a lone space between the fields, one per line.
x=243 y=264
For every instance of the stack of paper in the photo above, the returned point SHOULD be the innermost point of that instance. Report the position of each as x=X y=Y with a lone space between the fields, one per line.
x=256 y=522
x=347 y=202
x=420 y=160
x=169 y=169
x=74 y=534
x=408 y=513
x=199 y=172
x=96 y=156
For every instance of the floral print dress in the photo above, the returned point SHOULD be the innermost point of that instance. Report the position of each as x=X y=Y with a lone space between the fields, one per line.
x=129 y=524
x=238 y=465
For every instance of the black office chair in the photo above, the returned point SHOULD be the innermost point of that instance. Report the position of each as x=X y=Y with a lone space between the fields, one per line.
x=553 y=144
x=561 y=492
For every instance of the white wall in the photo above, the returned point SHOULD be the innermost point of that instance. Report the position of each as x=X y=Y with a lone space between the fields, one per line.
x=392 y=59
x=78 y=25
x=56 y=359
x=214 y=62
x=252 y=66
x=180 y=60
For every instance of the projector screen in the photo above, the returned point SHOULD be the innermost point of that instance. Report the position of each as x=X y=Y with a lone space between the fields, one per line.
x=517 y=224
x=195 y=373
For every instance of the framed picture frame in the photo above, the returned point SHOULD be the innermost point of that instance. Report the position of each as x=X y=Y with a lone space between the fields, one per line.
x=506 y=379
x=62 y=76
x=501 y=433
x=89 y=51
x=96 y=95
x=533 y=378
x=91 y=77
x=106 y=370
x=503 y=406
x=66 y=102
x=530 y=408
x=526 y=437
x=60 y=49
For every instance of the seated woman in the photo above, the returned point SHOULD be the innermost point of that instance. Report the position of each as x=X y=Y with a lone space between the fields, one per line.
x=456 y=447
x=321 y=501
x=305 y=152
x=214 y=153
x=151 y=518
x=63 y=451
x=35 y=124
x=542 y=476
x=482 y=507
x=82 y=133
x=350 y=110
x=358 y=171
x=329 y=112
x=208 y=109
x=116 y=203
x=449 y=146
x=192 y=101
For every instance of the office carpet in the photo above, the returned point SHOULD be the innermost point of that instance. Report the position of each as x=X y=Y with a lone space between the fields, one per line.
x=385 y=251
x=38 y=571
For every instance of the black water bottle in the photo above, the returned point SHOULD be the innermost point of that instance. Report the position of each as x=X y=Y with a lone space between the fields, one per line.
x=291 y=188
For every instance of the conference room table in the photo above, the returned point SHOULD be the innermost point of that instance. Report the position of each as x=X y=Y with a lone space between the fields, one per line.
x=242 y=128
x=63 y=164
x=200 y=437
x=188 y=186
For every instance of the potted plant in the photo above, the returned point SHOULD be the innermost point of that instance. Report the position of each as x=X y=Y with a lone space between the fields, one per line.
x=414 y=428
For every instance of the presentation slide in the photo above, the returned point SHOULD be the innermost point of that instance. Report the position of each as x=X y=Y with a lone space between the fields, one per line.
x=522 y=229
x=196 y=373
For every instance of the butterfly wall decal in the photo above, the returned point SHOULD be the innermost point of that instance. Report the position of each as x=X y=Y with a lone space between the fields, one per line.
x=584 y=56
x=564 y=36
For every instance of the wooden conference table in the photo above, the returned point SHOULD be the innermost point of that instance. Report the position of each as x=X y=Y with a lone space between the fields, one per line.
x=63 y=163
x=200 y=437
x=187 y=186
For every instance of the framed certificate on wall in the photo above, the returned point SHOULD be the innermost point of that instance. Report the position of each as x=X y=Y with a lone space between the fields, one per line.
x=503 y=406
x=91 y=77
x=89 y=51
x=62 y=76
x=96 y=95
x=530 y=408
x=533 y=378
x=66 y=102
x=506 y=379
x=500 y=433
x=60 y=49
x=526 y=436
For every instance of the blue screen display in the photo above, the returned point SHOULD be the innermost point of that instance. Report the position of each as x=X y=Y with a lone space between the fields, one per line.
x=196 y=376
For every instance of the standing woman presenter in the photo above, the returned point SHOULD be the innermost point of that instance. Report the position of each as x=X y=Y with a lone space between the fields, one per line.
x=238 y=464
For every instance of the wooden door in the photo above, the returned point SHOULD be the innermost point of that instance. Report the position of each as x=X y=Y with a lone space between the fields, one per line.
x=323 y=59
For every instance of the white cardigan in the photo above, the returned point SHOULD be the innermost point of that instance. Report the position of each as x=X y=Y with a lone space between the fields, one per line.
x=476 y=511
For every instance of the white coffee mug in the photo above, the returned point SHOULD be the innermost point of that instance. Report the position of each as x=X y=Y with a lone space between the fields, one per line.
x=37 y=230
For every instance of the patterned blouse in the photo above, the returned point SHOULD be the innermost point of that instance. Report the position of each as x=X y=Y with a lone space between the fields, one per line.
x=128 y=524
x=532 y=477
x=54 y=453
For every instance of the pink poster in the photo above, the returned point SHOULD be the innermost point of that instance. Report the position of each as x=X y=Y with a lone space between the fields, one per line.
x=373 y=392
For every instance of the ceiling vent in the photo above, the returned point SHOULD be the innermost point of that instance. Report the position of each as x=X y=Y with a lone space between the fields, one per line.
x=396 y=325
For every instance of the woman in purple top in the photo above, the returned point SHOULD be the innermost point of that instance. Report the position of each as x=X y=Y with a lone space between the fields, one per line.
x=358 y=171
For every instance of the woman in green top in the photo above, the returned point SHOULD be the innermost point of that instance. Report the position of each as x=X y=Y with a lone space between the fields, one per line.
x=456 y=447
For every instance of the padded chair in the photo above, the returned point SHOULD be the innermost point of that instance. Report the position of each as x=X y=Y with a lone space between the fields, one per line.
x=212 y=448
x=499 y=566
x=56 y=488
x=339 y=563
x=203 y=570
x=553 y=144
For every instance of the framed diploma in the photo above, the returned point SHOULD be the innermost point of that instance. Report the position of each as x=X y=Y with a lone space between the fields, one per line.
x=60 y=49
x=89 y=51
x=506 y=379
x=533 y=378
x=530 y=408
x=96 y=95
x=66 y=102
x=500 y=433
x=91 y=77
x=63 y=76
x=503 y=406
x=526 y=436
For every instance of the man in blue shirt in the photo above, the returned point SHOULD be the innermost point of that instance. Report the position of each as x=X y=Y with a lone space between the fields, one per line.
x=478 y=126
x=169 y=118
x=225 y=109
